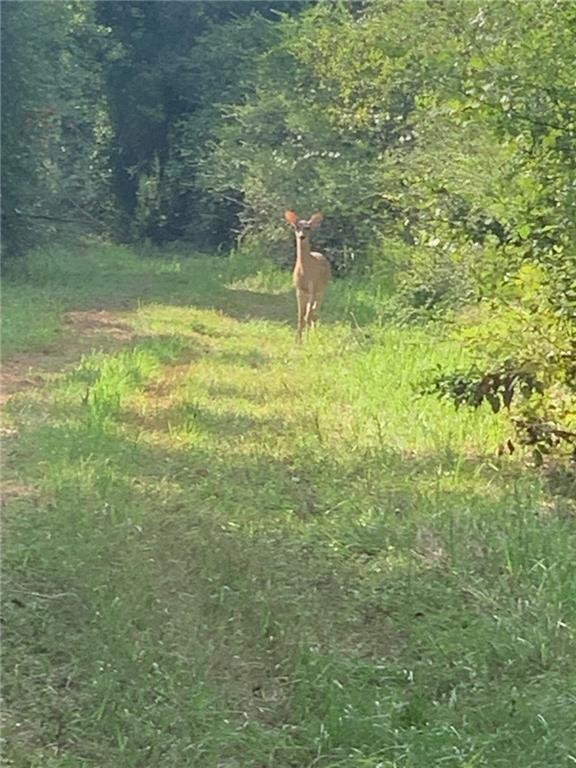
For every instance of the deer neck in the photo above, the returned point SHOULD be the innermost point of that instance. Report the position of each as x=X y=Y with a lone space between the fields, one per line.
x=302 y=252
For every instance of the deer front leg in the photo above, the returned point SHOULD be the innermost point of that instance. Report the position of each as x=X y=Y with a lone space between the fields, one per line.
x=302 y=299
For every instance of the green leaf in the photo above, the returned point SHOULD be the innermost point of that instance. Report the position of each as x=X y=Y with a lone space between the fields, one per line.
x=524 y=231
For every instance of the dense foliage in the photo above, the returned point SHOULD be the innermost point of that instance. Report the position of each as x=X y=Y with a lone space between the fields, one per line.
x=437 y=137
x=55 y=129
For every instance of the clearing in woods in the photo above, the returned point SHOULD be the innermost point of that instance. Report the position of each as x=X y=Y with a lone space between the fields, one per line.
x=225 y=551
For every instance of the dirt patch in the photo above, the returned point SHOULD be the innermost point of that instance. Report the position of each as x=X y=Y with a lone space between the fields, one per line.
x=172 y=376
x=95 y=322
x=16 y=377
x=84 y=330
x=10 y=490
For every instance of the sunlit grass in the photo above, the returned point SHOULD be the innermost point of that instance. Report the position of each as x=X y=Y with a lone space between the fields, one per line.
x=241 y=552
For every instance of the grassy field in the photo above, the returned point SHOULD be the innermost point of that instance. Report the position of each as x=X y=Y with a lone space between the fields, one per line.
x=226 y=551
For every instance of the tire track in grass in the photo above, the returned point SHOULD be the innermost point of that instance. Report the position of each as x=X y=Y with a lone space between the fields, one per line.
x=86 y=330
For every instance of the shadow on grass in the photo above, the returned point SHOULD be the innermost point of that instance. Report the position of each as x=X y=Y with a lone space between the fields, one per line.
x=311 y=546
x=220 y=569
x=375 y=493
x=198 y=419
x=191 y=288
x=96 y=322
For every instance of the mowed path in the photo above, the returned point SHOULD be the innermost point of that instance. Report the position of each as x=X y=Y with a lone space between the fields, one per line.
x=225 y=550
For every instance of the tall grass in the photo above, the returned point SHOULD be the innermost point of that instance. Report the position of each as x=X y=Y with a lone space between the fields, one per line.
x=225 y=550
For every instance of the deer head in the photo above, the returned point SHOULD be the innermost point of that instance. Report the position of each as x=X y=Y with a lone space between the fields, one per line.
x=302 y=227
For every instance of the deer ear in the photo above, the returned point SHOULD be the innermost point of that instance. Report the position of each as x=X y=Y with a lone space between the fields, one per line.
x=291 y=217
x=316 y=219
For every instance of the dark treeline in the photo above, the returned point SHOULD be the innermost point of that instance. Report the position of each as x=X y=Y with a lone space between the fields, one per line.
x=448 y=124
x=437 y=136
x=100 y=102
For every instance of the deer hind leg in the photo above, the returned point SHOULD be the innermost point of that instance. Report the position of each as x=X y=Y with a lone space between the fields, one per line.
x=313 y=313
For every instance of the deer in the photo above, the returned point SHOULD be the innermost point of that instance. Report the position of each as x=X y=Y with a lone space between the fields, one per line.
x=311 y=272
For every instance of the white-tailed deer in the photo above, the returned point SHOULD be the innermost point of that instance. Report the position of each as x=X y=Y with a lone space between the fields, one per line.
x=311 y=272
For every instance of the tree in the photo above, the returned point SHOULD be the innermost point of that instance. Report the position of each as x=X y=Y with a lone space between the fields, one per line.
x=161 y=96
x=30 y=113
x=53 y=124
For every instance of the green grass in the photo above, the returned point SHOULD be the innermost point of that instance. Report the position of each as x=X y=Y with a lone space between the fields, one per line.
x=227 y=551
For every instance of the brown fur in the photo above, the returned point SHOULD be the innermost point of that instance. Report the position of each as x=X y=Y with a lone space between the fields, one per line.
x=311 y=272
